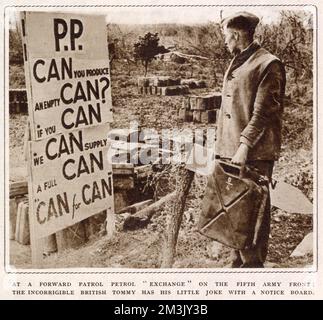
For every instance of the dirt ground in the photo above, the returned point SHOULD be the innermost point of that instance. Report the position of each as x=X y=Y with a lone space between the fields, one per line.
x=142 y=248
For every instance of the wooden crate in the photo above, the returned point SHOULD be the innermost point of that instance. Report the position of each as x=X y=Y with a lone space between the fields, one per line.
x=217 y=100
x=174 y=90
x=13 y=206
x=18 y=101
x=186 y=103
x=161 y=82
x=174 y=82
x=143 y=82
x=19 y=188
x=50 y=244
x=202 y=103
x=22 y=233
x=196 y=116
x=200 y=84
x=185 y=115
x=208 y=116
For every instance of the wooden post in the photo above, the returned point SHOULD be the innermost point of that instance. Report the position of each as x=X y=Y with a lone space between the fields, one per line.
x=110 y=225
x=183 y=185
x=36 y=244
x=142 y=217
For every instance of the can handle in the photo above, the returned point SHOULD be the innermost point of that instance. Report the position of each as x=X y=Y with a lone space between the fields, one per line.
x=232 y=169
x=239 y=172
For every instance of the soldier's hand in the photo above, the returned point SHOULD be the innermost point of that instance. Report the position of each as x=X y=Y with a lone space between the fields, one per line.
x=241 y=155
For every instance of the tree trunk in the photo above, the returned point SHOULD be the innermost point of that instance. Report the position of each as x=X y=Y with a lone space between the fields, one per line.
x=146 y=68
x=192 y=69
x=183 y=185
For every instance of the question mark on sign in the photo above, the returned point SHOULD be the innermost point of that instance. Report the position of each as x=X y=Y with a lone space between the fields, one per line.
x=107 y=84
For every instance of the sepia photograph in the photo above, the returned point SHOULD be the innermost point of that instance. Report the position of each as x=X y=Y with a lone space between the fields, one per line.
x=169 y=137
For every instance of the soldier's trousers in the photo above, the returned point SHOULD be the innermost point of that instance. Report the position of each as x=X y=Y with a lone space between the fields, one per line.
x=255 y=257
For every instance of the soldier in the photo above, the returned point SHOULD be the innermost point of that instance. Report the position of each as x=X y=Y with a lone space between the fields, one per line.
x=249 y=122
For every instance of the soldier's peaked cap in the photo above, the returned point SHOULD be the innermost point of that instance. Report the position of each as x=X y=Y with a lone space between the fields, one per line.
x=241 y=20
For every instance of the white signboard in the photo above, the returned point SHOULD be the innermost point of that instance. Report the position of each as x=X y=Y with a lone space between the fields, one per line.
x=67 y=72
x=201 y=160
x=71 y=179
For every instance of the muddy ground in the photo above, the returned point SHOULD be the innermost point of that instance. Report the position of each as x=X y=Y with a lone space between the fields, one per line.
x=142 y=248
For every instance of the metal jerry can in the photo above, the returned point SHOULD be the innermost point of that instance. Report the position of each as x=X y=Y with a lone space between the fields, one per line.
x=233 y=205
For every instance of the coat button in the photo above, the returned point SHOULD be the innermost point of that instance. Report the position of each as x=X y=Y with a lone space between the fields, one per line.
x=228 y=115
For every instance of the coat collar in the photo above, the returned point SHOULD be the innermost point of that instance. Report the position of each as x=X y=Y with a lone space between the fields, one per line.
x=242 y=57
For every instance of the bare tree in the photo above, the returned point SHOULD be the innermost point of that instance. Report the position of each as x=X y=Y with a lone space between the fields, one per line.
x=291 y=39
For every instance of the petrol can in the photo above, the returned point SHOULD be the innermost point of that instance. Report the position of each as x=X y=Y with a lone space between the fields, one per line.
x=233 y=205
